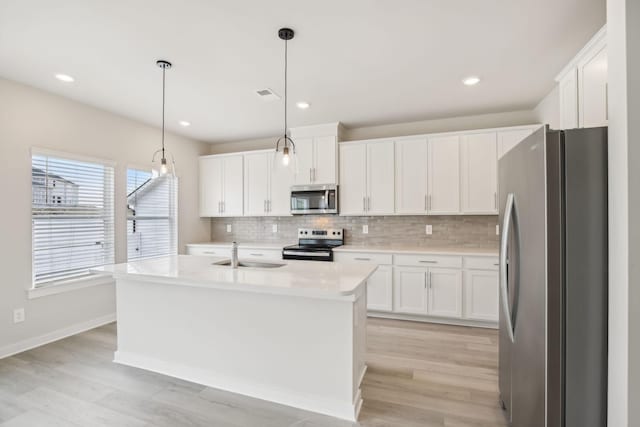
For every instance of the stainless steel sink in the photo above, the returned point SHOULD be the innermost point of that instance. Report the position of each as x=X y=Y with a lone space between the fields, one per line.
x=251 y=264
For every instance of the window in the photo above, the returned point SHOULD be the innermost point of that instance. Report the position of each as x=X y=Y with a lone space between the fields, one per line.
x=151 y=215
x=71 y=216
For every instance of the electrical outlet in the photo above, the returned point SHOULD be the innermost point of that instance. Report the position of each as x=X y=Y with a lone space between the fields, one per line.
x=365 y=229
x=274 y=228
x=18 y=315
x=228 y=228
x=497 y=229
x=428 y=229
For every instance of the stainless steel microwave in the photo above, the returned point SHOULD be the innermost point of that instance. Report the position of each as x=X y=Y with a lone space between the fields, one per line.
x=314 y=199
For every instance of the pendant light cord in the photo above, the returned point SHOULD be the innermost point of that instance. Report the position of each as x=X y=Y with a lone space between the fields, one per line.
x=285 y=91
x=164 y=70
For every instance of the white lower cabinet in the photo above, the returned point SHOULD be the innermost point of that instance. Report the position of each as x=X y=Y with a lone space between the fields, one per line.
x=410 y=290
x=441 y=288
x=481 y=295
x=380 y=289
x=444 y=298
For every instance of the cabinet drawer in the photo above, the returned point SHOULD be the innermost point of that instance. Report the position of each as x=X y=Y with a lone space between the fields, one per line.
x=208 y=250
x=374 y=258
x=429 y=261
x=480 y=263
x=260 y=253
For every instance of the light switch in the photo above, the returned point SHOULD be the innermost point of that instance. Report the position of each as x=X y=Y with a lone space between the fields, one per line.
x=274 y=228
x=497 y=229
x=228 y=228
x=428 y=229
x=365 y=229
x=18 y=315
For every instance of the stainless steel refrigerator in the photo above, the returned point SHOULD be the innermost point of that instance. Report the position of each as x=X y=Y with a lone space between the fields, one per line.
x=553 y=279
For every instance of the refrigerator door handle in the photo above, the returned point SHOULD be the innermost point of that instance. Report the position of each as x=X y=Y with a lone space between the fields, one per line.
x=504 y=241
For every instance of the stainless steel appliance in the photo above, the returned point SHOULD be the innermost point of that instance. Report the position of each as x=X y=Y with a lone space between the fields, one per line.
x=314 y=199
x=553 y=279
x=314 y=245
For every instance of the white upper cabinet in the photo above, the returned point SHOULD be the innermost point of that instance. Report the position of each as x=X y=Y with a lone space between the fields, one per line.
x=411 y=176
x=316 y=160
x=583 y=86
x=443 y=182
x=256 y=184
x=280 y=181
x=479 y=172
x=568 y=87
x=593 y=88
x=510 y=138
x=221 y=185
x=380 y=178
x=353 y=178
x=267 y=186
x=367 y=178
x=325 y=153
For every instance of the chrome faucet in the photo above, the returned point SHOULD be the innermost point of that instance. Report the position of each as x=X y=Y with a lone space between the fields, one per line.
x=234 y=255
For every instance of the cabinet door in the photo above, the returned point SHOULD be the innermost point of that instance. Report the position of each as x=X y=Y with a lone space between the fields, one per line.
x=445 y=292
x=210 y=186
x=380 y=289
x=282 y=179
x=324 y=150
x=256 y=183
x=411 y=176
x=380 y=178
x=593 y=89
x=510 y=138
x=568 y=87
x=444 y=175
x=479 y=173
x=481 y=295
x=304 y=158
x=410 y=290
x=233 y=188
x=353 y=178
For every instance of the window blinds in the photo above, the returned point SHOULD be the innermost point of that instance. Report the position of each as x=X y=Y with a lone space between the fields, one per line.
x=71 y=215
x=151 y=215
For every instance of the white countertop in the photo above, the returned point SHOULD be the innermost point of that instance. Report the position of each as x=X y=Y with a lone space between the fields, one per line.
x=386 y=249
x=412 y=249
x=246 y=245
x=297 y=278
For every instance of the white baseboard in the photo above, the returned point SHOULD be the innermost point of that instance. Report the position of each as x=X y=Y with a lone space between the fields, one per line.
x=425 y=319
x=335 y=408
x=28 y=344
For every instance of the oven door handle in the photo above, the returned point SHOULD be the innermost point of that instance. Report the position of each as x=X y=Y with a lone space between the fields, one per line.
x=302 y=253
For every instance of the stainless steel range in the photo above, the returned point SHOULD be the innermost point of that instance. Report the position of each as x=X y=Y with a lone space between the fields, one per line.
x=314 y=245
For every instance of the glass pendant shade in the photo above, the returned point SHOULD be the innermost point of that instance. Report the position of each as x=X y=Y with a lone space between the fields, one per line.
x=284 y=158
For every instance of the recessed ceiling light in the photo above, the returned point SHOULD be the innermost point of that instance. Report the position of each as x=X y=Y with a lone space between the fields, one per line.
x=184 y=123
x=65 y=78
x=302 y=105
x=471 y=80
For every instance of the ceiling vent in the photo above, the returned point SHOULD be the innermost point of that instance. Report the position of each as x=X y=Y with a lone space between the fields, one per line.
x=267 y=95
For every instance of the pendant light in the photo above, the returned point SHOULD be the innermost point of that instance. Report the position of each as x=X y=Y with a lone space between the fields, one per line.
x=287 y=155
x=165 y=168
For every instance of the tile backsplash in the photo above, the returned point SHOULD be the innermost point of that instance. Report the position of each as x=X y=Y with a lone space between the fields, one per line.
x=471 y=231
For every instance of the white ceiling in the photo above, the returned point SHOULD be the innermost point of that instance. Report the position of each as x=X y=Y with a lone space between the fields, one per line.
x=362 y=62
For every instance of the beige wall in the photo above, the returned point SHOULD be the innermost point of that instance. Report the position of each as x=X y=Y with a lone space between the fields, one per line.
x=513 y=118
x=32 y=118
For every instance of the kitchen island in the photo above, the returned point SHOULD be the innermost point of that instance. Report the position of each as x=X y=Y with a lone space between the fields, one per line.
x=292 y=334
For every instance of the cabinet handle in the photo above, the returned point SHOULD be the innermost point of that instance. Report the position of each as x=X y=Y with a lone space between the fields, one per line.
x=224 y=207
x=364 y=204
x=268 y=205
x=606 y=101
x=368 y=203
x=429 y=279
x=429 y=202
x=428 y=262
x=425 y=202
x=209 y=252
x=362 y=259
x=496 y=264
x=310 y=174
x=219 y=207
x=495 y=200
x=256 y=254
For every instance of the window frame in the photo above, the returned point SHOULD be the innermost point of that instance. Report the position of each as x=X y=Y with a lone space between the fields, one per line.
x=72 y=282
x=143 y=168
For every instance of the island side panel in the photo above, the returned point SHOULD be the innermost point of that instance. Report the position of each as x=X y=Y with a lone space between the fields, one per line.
x=296 y=351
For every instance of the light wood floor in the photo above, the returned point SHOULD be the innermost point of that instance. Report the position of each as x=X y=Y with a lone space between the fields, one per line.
x=419 y=375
